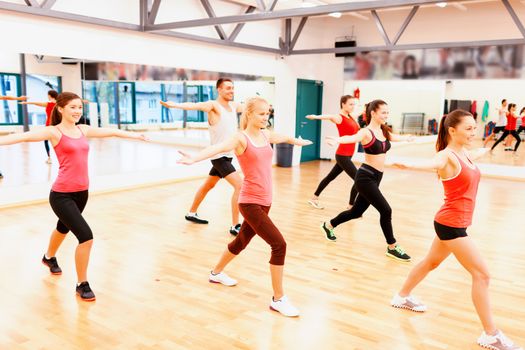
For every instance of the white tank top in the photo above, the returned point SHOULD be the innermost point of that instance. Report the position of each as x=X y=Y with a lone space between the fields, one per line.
x=502 y=120
x=224 y=129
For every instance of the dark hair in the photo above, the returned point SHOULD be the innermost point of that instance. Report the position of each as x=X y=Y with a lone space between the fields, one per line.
x=343 y=100
x=523 y=109
x=62 y=100
x=373 y=107
x=510 y=106
x=221 y=81
x=450 y=120
x=503 y=101
x=53 y=94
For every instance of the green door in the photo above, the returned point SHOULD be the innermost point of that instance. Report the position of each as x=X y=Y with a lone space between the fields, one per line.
x=309 y=101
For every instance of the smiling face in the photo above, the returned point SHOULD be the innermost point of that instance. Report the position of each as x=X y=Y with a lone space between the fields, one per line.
x=260 y=115
x=226 y=90
x=464 y=132
x=380 y=115
x=72 y=111
x=348 y=106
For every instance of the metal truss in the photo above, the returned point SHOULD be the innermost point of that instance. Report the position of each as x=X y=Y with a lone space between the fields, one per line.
x=264 y=11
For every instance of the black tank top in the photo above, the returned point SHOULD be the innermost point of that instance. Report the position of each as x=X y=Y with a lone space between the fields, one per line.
x=376 y=146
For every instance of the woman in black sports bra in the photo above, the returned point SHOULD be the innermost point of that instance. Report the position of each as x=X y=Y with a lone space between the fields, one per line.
x=375 y=139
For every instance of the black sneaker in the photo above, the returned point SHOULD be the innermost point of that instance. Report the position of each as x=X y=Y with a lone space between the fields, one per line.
x=328 y=232
x=195 y=218
x=85 y=292
x=397 y=253
x=1 y=176
x=52 y=263
x=234 y=230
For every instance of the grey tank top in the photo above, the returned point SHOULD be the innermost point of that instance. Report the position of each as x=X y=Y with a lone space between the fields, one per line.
x=224 y=129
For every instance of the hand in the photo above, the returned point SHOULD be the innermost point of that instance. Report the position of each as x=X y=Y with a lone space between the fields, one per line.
x=400 y=166
x=310 y=116
x=186 y=159
x=166 y=104
x=331 y=141
x=301 y=142
x=143 y=137
x=22 y=98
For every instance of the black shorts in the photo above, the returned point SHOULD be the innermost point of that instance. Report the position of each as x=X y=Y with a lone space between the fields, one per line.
x=222 y=167
x=498 y=129
x=446 y=233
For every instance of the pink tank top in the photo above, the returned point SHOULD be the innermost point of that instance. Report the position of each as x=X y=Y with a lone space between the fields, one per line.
x=72 y=154
x=256 y=165
x=460 y=196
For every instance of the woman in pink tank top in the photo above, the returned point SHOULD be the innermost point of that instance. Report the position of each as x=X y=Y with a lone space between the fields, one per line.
x=252 y=148
x=460 y=178
x=69 y=193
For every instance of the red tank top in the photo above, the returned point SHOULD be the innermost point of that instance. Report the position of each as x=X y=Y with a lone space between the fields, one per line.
x=511 y=122
x=256 y=165
x=347 y=127
x=460 y=196
x=72 y=154
x=49 y=110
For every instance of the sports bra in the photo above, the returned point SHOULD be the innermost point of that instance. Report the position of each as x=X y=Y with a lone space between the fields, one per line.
x=376 y=146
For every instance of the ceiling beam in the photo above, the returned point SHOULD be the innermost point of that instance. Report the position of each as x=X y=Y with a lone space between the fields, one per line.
x=514 y=16
x=380 y=27
x=152 y=16
x=410 y=46
x=209 y=10
x=33 y=3
x=47 y=4
x=261 y=5
x=298 y=32
x=290 y=13
x=239 y=26
x=405 y=24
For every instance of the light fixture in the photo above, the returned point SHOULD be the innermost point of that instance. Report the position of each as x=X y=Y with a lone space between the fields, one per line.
x=335 y=14
x=441 y=4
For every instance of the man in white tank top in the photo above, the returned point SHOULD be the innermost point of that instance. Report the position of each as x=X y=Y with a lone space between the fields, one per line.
x=500 y=123
x=223 y=124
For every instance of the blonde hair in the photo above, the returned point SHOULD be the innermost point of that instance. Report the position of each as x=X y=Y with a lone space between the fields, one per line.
x=249 y=110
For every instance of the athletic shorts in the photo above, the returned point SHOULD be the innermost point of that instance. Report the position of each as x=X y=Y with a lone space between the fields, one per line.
x=498 y=129
x=222 y=167
x=446 y=233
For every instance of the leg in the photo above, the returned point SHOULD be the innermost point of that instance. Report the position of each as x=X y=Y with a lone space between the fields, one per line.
x=437 y=253
x=357 y=210
x=502 y=137
x=469 y=257
x=345 y=162
x=210 y=183
x=235 y=180
x=336 y=170
x=276 y=271
x=518 y=139
x=46 y=145
x=55 y=241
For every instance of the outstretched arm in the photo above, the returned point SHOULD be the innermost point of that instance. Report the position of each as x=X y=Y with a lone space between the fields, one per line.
x=357 y=137
x=279 y=138
x=334 y=118
x=30 y=136
x=438 y=162
x=210 y=151
x=107 y=132
x=397 y=137
x=39 y=104
x=13 y=98
x=190 y=106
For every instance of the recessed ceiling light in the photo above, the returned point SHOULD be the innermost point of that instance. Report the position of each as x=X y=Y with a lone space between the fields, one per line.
x=335 y=14
x=441 y=4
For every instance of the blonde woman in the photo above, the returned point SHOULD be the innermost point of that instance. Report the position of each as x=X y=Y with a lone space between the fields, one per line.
x=252 y=148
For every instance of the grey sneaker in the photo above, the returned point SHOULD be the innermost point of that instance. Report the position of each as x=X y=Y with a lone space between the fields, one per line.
x=497 y=342
x=397 y=253
x=408 y=302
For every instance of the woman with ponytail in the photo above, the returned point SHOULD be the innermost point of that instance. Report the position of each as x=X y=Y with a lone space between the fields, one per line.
x=252 y=148
x=460 y=178
x=375 y=139
x=69 y=193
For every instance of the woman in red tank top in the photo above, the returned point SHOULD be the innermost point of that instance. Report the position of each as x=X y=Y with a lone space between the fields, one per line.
x=510 y=129
x=69 y=193
x=252 y=148
x=460 y=178
x=346 y=125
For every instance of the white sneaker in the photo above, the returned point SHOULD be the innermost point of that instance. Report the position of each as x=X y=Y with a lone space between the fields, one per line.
x=497 y=342
x=284 y=306
x=408 y=302
x=315 y=203
x=222 y=278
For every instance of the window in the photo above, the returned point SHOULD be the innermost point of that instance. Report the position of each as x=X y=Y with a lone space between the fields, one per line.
x=10 y=111
x=37 y=87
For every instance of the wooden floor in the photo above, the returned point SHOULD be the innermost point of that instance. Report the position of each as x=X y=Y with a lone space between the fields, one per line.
x=149 y=271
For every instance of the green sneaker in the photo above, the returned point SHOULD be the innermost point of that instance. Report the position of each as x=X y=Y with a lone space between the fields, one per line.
x=328 y=232
x=397 y=253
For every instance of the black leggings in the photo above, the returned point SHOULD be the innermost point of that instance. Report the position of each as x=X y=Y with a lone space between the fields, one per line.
x=342 y=163
x=46 y=144
x=505 y=134
x=367 y=181
x=68 y=207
